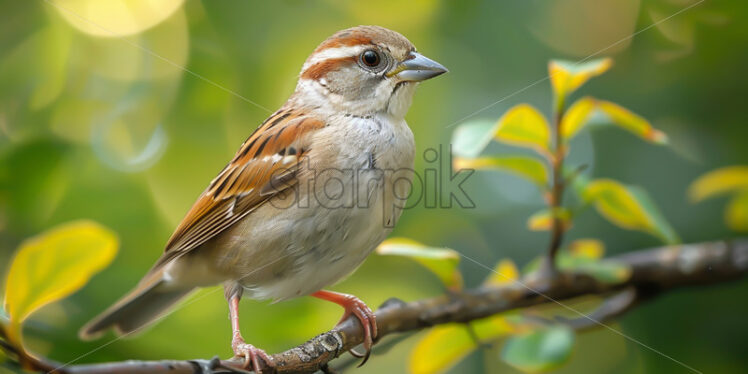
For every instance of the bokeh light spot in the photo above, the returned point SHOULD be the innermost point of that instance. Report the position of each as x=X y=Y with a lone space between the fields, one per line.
x=115 y=18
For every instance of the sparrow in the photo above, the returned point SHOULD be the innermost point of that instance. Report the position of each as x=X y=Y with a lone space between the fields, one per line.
x=307 y=197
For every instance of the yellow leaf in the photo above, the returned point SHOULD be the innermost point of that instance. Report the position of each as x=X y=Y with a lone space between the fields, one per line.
x=718 y=182
x=526 y=167
x=617 y=204
x=53 y=265
x=524 y=126
x=629 y=208
x=629 y=121
x=503 y=273
x=736 y=214
x=567 y=76
x=576 y=117
x=444 y=346
x=543 y=221
x=587 y=248
x=440 y=261
x=441 y=348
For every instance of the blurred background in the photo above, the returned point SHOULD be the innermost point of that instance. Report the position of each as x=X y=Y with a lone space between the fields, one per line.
x=122 y=111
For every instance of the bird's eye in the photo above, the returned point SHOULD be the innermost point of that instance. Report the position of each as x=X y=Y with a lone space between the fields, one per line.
x=370 y=58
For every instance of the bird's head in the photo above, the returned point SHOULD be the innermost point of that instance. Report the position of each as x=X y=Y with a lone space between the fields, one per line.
x=364 y=70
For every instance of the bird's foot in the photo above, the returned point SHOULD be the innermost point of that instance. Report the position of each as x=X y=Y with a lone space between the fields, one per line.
x=251 y=354
x=353 y=305
x=358 y=308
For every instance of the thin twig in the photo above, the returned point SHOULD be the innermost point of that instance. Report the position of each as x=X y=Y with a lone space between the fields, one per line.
x=611 y=308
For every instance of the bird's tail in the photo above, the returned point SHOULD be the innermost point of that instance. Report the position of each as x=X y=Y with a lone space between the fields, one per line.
x=142 y=306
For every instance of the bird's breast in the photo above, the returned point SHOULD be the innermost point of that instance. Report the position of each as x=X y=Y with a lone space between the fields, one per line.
x=350 y=193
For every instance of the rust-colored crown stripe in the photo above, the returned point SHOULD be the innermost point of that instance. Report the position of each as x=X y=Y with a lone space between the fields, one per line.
x=344 y=39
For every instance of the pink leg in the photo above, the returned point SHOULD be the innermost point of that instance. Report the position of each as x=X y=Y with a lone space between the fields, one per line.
x=250 y=353
x=355 y=306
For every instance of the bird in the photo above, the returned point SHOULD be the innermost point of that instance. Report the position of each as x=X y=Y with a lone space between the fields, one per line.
x=306 y=198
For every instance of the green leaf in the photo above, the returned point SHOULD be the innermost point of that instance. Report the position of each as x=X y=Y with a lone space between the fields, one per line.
x=540 y=350
x=718 y=182
x=629 y=208
x=444 y=346
x=579 y=183
x=543 y=220
x=527 y=167
x=616 y=203
x=53 y=265
x=736 y=214
x=524 y=126
x=576 y=117
x=441 y=261
x=471 y=138
x=631 y=122
x=604 y=270
x=567 y=76
x=661 y=227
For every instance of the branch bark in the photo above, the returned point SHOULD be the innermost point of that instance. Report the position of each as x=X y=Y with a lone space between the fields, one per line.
x=653 y=271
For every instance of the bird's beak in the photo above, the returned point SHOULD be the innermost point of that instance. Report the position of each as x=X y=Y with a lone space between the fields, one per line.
x=417 y=68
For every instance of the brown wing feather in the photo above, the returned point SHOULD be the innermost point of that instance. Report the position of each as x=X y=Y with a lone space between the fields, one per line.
x=265 y=165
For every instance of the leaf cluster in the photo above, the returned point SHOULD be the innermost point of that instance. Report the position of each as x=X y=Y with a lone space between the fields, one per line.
x=50 y=267
x=529 y=343
x=519 y=338
x=524 y=126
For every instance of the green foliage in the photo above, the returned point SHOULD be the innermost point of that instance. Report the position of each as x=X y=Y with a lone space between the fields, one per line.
x=576 y=117
x=629 y=208
x=503 y=273
x=443 y=346
x=631 y=122
x=567 y=76
x=543 y=220
x=736 y=214
x=526 y=167
x=584 y=256
x=588 y=110
x=440 y=261
x=589 y=248
x=543 y=348
x=731 y=179
x=524 y=126
x=539 y=350
x=471 y=138
x=529 y=347
x=52 y=266
x=59 y=85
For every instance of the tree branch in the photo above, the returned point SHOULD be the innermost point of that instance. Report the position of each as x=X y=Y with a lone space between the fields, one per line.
x=653 y=271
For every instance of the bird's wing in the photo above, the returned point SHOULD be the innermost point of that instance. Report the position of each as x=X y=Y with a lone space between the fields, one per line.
x=266 y=164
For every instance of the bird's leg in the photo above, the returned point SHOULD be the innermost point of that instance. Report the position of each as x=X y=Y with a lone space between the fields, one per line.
x=241 y=348
x=355 y=306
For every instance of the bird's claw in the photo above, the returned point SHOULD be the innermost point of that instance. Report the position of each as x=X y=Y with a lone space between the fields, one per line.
x=251 y=355
x=358 y=308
